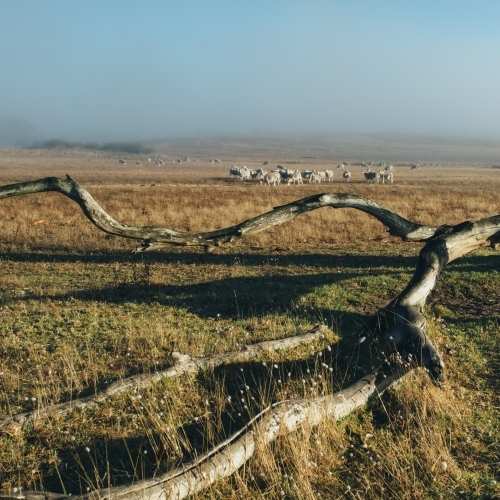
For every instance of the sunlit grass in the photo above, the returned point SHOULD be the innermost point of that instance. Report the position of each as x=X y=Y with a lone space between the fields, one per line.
x=79 y=312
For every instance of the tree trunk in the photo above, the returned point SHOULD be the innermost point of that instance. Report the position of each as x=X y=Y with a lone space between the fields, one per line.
x=401 y=327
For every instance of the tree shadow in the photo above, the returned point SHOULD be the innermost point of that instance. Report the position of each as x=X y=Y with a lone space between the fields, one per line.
x=276 y=257
x=227 y=298
x=249 y=387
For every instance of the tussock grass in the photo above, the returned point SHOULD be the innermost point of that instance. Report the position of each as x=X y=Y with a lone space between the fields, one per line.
x=78 y=311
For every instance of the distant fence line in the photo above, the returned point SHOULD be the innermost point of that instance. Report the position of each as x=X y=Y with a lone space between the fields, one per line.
x=308 y=158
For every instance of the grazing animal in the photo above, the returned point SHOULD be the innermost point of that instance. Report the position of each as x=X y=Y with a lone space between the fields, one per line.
x=234 y=170
x=138 y=163
x=295 y=178
x=266 y=163
x=122 y=162
x=386 y=175
x=340 y=166
x=345 y=163
x=179 y=161
x=371 y=176
x=314 y=177
x=329 y=175
x=306 y=174
x=347 y=176
x=272 y=177
x=149 y=159
x=257 y=175
x=285 y=173
x=415 y=167
x=245 y=173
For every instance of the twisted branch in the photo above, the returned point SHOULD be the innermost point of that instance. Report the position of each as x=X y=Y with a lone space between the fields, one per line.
x=158 y=237
x=401 y=325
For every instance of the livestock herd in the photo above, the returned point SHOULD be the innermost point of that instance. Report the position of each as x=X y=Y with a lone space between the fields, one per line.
x=280 y=175
x=286 y=176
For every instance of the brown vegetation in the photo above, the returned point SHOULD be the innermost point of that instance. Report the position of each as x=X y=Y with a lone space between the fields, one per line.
x=80 y=312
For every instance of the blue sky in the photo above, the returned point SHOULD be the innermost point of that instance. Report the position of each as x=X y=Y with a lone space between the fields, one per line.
x=127 y=70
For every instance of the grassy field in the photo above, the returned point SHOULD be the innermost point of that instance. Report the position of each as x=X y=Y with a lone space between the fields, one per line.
x=79 y=311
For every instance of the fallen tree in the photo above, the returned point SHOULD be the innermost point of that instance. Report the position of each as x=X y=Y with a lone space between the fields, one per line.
x=400 y=326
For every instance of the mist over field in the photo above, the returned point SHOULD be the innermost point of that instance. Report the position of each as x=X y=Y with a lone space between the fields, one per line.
x=124 y=71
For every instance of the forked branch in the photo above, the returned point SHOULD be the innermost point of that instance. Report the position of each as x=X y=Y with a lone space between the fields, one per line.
x=401 y=325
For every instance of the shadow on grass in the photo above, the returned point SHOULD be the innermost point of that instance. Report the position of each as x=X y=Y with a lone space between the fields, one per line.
x=231 y=298
x=277 y=257
x=248 y=388
x=252 y=386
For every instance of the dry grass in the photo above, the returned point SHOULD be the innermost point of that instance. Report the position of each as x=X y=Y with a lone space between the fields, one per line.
x=78 y=311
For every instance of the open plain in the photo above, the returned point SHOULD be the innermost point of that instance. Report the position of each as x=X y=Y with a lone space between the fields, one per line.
x=79 y=310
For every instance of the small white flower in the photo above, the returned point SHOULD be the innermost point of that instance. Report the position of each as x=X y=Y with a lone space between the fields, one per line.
x=87 y=449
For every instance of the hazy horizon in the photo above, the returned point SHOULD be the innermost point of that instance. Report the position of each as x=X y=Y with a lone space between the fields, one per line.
x=121 y=71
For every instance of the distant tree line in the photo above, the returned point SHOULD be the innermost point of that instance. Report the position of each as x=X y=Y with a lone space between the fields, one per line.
x=123 y=147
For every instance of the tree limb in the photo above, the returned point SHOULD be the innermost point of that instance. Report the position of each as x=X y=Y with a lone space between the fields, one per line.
x=158 y=237
x=401 y=324
x=182 y=364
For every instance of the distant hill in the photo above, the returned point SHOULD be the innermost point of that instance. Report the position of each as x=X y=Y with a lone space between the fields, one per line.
x=363 y=147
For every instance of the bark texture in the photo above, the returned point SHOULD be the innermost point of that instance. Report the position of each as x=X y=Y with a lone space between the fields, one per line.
x=401 y=327
x=182 y=364
x=158 y=237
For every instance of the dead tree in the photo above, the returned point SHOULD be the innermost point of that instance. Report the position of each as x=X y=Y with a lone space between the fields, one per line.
x=400 y=326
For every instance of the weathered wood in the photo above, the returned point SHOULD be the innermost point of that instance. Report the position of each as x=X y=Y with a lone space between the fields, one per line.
x=182 y=364
x=401 y=324
x=234 y=452
x=402 y=320
x=157 y=237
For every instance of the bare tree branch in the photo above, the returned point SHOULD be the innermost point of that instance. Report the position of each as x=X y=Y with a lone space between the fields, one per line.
x=234 y=452
x=157 y=237
x=182 y=364
x=401 y=325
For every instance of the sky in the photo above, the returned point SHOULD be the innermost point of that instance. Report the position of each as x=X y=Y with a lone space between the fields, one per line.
x=102 y=70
